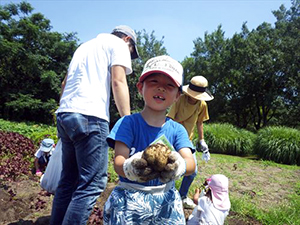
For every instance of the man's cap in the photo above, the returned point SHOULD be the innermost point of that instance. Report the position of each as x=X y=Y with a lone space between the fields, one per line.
x=197 y=89
x=129 y=32
x=166 y=65
x=47 y=145
x=218 y=185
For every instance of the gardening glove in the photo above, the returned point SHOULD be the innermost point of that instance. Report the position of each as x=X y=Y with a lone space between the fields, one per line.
x=38 y=173
x=137 y=169
x=202 y=146
x=174 y=169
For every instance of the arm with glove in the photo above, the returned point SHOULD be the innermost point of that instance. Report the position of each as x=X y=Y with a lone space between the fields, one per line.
x=180 y=164
x=201 y=145
x=134 y=168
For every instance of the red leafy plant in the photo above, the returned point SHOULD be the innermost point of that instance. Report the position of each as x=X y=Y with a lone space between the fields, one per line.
x=16 y=154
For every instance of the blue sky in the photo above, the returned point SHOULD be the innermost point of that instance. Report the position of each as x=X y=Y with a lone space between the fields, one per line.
x=179 y=22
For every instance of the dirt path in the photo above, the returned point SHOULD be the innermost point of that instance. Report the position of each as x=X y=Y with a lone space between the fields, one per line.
x=24 y=203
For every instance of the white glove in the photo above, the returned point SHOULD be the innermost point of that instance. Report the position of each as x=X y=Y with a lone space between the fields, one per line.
x=202 y=146
x=136 y=169
x=174 y=169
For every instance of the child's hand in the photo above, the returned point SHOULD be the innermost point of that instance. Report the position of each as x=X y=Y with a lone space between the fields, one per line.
x=137 y=169
x=38 y=173
x=175 y=168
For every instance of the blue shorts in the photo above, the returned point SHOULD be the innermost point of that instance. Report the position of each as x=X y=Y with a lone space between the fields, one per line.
x=128 y=206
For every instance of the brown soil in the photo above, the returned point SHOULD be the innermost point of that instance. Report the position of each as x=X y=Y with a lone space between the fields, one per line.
x=25 y=203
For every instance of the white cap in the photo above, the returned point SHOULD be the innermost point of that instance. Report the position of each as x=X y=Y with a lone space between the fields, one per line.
x=166 y=65
x=47 y=145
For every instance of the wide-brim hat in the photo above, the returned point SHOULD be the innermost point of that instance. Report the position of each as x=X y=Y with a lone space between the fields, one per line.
x=197 y=89
x=47 y=145
x=166 y=65
x=218 y=185
x=129 y=32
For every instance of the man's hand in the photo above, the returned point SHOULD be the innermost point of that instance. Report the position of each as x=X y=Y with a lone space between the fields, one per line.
x=174 y=169
x=137 y=169
x=202 y=146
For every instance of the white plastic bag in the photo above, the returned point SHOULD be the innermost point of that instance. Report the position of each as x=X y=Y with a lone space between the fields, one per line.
x=49 y=181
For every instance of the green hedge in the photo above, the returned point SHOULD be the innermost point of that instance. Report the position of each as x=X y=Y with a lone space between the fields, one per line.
x=279 y=144
x=227 y=139
x=36 y=132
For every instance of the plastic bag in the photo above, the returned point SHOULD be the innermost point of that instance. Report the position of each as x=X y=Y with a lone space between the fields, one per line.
x=49 y=181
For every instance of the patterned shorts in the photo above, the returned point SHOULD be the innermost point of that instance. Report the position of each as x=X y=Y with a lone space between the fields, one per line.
x=126 y=206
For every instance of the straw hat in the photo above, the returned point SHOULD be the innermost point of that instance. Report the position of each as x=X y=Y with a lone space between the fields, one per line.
x=218 y=185
x=197 y=88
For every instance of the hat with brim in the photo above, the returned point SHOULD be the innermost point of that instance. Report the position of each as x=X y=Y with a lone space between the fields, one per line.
x=197 y=89
x=129 y=32
x=219 y=191
x=47 y=145
x=165 y=65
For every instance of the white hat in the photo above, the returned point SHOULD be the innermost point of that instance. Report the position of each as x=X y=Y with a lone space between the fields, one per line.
x=47 y=145
x=197 y=88
x=129 y=32
x=166 y=65
x=218 y=185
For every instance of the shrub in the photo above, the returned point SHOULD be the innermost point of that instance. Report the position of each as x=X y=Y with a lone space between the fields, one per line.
x=35 y=132
x=227 y=139
x=15 y=156
x=279 y=144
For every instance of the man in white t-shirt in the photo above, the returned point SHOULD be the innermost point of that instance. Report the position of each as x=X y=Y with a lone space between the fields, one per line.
x=83 y=120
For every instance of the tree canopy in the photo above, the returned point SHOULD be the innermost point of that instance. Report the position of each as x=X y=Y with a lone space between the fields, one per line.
x=254 y=75
x=33 y=61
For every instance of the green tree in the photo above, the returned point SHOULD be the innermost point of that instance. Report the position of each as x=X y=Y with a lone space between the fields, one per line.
x=253 y=75
x=33 y=62
x=288 y=29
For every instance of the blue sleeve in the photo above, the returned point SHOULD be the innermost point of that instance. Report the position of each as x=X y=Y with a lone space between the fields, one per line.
x=122 y=131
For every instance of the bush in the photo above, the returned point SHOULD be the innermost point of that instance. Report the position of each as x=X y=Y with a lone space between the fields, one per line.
x=16 y=155
x=227 y=139
x=35 y=132
x=279 y=144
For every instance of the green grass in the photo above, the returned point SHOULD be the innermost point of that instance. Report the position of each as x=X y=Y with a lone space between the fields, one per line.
x=279 y=144
x=36 y=132
x=264 y=190
x=276 y=187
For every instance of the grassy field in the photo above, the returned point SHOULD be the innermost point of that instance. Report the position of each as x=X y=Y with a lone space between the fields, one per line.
x=264 y=190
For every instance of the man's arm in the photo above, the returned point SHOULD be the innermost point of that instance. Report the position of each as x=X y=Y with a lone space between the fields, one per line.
x=63 y=85
x=120 y=90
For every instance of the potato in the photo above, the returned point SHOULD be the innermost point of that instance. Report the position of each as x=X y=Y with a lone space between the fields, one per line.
x=157 y=156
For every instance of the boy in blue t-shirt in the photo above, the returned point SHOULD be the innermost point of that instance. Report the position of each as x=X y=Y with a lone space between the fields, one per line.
x=138 y=199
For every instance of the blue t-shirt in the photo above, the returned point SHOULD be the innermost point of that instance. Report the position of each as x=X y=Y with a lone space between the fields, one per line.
x=133 y=131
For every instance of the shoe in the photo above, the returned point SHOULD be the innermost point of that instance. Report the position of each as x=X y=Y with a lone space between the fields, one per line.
x=188 y=203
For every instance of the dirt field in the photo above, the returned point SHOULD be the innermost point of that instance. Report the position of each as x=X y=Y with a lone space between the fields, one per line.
x=25 y=203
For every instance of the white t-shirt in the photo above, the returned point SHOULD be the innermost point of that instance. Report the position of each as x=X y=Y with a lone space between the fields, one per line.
x=87 y=89
x=206 y=214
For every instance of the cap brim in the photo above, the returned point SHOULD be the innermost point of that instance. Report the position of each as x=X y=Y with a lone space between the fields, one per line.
x=197 y=95
x=145 y=75
x=135 y=54
x=45 y=149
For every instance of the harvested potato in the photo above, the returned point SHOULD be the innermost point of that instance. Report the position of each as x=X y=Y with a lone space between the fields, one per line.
x=157 y=156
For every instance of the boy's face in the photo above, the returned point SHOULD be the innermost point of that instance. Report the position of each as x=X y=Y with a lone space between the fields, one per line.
x=159 y=91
